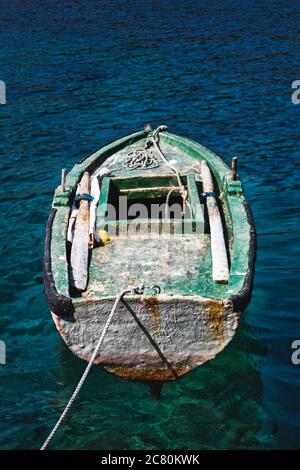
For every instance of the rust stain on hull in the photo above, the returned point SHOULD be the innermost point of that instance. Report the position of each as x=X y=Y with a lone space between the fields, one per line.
x=215 y=311
x=148 y=373
x=153 y=371
x=153 y=309
x=144 y=362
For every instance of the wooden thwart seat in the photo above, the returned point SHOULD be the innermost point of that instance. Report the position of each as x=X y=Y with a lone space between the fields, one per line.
x=220 y=270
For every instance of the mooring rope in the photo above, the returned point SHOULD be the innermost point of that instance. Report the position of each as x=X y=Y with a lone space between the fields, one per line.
x=183 y=191
x=144 y=159
x=167 y=206
x=137 y=290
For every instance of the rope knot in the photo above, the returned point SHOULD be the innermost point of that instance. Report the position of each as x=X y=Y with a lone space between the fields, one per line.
x=138 y=290
x=158 y=130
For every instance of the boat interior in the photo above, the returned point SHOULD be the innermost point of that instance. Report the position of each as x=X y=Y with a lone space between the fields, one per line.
x=142 y=240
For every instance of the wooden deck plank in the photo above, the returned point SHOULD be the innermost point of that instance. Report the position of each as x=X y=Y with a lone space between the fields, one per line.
x=220 y=269
x=80 y=245
x=177 y=264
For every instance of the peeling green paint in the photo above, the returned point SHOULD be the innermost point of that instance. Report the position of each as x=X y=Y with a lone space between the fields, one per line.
x=58 y=250
x=199 y=282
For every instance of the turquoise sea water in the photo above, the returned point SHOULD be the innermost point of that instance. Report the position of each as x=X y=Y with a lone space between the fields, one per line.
x=81 y=74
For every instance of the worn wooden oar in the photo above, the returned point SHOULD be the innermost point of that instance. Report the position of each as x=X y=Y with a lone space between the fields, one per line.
x=80 y=245
x=220 y=271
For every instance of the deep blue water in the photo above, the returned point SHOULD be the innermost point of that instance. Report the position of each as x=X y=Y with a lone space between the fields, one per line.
x=82 y=73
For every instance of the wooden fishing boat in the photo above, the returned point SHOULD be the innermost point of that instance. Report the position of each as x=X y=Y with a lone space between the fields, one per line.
x=163 y=213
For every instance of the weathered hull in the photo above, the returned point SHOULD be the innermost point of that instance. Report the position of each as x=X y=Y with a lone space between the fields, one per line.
x=152 y=338
x=165 y=337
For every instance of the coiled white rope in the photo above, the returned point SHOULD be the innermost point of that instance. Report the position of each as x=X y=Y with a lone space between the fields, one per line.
x=142 y=159
x=138 y=290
